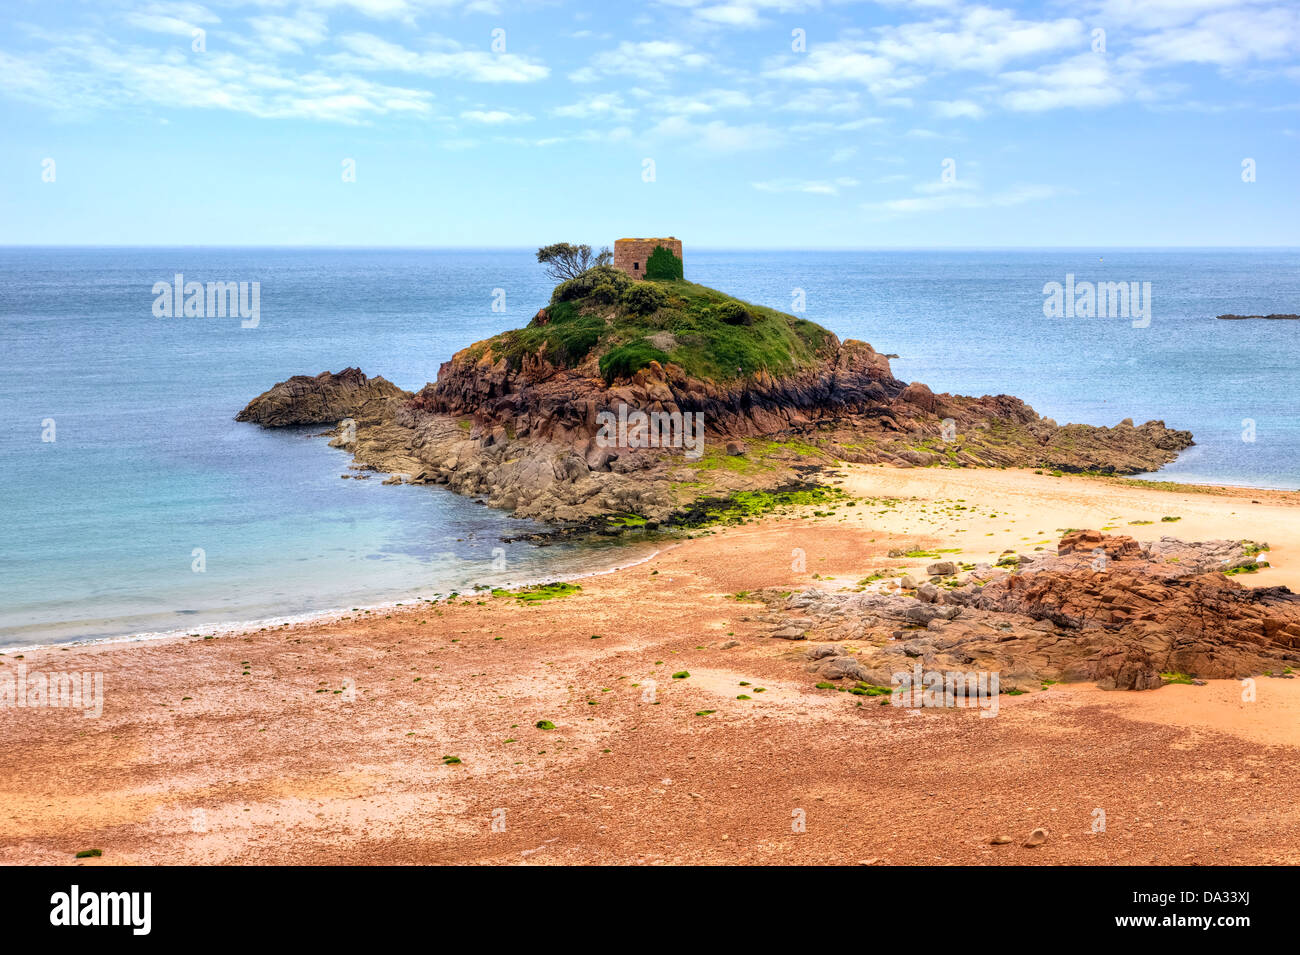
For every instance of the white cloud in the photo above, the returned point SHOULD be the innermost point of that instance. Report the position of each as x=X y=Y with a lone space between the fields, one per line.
x=647 y=60
x=903 y=56
x=1086 y=80
x=718 y=136
x=1223 y=39
x=823 y=187
x=95 y=73
x=494 y=117
x=279 y=34
x=365 y=51
x=596 y=106
x=961 y=198
x=178 y=18
x=958 y=108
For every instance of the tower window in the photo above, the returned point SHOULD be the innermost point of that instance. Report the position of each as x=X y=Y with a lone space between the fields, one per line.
x=636 y=266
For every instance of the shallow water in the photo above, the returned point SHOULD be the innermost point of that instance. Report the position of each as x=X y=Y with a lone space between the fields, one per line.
x=148 y=472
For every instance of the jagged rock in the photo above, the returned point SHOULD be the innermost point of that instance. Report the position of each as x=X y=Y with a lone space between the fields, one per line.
x=942 y=568
x=325 y=399
x=1158 y=607
x=843 y=667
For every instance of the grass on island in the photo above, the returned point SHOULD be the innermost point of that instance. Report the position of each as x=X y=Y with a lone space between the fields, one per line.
x=628 y=324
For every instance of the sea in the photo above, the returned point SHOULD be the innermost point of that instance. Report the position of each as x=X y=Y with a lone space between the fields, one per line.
x=134 y=504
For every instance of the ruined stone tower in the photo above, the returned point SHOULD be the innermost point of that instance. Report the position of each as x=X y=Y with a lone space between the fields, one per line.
x=630 y=254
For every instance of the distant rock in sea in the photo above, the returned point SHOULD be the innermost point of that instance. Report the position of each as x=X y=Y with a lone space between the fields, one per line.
x=1276 y=316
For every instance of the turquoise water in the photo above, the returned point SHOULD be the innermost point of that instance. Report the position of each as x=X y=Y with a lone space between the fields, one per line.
x=148 y=465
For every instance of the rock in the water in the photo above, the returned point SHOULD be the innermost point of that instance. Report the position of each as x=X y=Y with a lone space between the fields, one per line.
x=325 y=399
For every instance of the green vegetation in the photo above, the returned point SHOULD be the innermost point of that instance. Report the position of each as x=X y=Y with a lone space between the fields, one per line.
x=1176 y=678
x=90 y=853
x=536 y=593
x=680 y=675
x=625 y=520
x=663 y=265
x=626 y=360
x=643 y=298
x=625 y=325
x=744 y=505
x=563 y=260
x=545 y=725
x=733 y=313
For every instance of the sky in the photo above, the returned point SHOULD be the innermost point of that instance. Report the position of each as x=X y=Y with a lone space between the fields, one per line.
x=727 y=123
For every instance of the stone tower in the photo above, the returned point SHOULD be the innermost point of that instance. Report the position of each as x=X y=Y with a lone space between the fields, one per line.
x=630 y=254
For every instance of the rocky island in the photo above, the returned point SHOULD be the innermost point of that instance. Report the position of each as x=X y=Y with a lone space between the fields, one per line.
x=516 y=419
x=521 y=421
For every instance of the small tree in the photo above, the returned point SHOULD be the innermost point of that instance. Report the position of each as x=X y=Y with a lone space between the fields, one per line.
x=565 y=261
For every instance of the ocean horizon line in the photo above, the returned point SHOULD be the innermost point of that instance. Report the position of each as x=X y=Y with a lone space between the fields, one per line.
x=699 y=248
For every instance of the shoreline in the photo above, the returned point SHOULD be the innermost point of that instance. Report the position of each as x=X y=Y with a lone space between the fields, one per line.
x=237 y=628
x=257 y=624
x=332 y=741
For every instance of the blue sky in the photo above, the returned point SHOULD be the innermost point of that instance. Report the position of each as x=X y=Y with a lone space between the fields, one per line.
x=769 y=123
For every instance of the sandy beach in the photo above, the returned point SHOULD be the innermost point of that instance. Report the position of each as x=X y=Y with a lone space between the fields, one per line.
x=329 y=742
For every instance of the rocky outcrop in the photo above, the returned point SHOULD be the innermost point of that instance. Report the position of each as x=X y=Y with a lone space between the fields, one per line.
x=327 y=398
x=541 y=401
x=523 y=433
x=1104 y=609
x=849 y=403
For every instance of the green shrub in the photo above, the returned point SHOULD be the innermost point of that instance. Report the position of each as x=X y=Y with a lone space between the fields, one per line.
x=643 y=299
x=625 y=360
x=585 y=283
x=663 y=265
x=733 y=313
x=604 y=293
